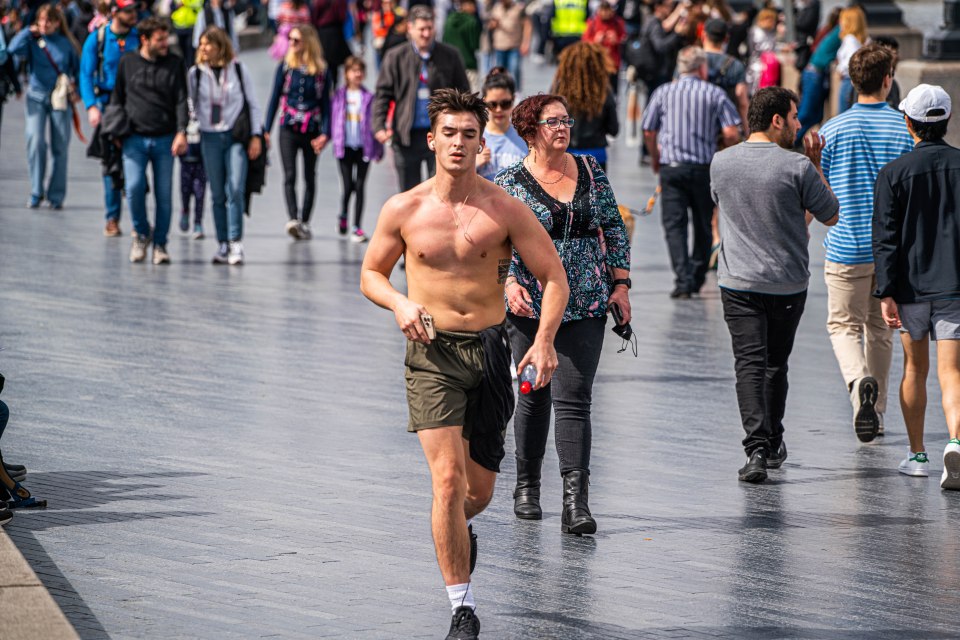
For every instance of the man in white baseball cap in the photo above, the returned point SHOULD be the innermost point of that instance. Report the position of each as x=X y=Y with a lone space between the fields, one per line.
x=916 y=241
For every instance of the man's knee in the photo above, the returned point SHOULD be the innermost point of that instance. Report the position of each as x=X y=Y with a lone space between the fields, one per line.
x=480 y=496
x=449 y=483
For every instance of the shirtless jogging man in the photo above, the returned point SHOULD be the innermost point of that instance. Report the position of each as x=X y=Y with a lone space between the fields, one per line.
x=457 y=232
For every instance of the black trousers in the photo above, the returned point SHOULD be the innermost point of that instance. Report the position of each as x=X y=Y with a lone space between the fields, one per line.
x=686 y=188
x=353 y=176
x=570 y=392
x=409 y=160
x=291 y=143
x=762 y=328
x=685 y=201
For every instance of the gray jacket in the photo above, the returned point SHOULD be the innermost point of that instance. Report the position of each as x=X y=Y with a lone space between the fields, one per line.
x=400 y=77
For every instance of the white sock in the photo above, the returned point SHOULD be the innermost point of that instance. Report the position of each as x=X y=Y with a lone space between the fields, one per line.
x=469 y=521
x=461 y=595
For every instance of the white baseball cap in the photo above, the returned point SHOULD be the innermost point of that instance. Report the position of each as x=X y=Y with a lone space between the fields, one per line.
x=923 y=99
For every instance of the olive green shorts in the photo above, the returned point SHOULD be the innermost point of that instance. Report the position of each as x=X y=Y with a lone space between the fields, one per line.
x=463 y=380
x=443 y=380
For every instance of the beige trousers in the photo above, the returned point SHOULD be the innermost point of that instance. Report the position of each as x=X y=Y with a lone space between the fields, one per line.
x=862 y=342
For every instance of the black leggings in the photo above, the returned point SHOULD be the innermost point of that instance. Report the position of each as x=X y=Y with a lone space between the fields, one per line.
x=353 y=175
x=292 y=142
x=570 y=392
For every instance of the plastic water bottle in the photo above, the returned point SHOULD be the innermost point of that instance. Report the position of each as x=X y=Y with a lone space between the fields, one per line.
x=527 y=379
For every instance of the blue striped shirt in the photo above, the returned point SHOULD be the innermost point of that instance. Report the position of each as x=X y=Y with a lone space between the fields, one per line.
x=688 y=115
x=858 y=143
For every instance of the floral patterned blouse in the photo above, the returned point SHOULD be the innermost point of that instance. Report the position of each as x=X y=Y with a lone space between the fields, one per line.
x=588 y=232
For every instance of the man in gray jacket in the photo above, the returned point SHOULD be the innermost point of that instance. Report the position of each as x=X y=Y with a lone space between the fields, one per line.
x=767 y=195
x=408 y=75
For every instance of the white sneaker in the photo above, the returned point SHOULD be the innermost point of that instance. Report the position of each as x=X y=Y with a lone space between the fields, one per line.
x=293 y=229
x=916 y=464
x=880 y=428
x=951 y=466
x=236 y=253
x=357 y=235
x=220 y=257
x=305 y=232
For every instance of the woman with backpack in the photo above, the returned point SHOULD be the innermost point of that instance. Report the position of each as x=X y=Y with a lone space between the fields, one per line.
x=223 y=104
x=301 y=93
x=53 y=58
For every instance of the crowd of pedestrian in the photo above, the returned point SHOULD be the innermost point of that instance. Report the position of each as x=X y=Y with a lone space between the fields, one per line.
x=744 y=166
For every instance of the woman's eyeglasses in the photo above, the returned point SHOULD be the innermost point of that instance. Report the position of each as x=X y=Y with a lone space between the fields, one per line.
x=293 y=40
x=493 y=105
x=554 y=123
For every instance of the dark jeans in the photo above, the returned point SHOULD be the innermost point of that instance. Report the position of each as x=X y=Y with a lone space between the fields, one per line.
x=353 y=177
x=687 y=187
x=814 y=89
x=762 y=328
x=291 y=143
x=409 y=160
x=570 y=392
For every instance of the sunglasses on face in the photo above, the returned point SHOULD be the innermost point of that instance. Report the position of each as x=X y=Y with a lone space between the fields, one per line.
x=293 y=40
x=554 y=123
x=493 y=105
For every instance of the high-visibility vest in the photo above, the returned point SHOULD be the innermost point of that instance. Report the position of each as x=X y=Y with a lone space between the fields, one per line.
x=186 y=15
x=569 y=17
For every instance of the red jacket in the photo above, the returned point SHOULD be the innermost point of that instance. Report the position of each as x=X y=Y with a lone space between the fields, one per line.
x=609 y=34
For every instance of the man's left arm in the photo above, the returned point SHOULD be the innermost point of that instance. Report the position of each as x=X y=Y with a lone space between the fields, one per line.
x=887 y=221
x=729 y=120
x=179 y=146
x=536 y=249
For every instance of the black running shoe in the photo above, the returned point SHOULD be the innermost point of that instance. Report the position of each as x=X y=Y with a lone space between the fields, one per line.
x=776 y=460
x=465 y=625
x=473 y=548
x=866 y=422
x=5 y=514
x=755 y=471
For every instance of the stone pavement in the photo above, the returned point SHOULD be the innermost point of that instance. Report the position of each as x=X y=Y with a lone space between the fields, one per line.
x=225 y=455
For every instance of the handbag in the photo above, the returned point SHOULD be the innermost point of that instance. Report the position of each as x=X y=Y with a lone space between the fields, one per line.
x=63 y=95
x=242 y=131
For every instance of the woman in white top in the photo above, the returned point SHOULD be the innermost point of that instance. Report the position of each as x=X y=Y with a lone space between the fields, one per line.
x=503 y=146
x=219 y=86
x=853 y=35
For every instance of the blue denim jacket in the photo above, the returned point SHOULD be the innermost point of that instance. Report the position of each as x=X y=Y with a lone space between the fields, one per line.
x=43 y=76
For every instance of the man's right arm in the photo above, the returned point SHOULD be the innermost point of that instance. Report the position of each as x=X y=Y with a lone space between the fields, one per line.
x=88 y=67
x=119 y=93
x=385 y=248
x=385 y=93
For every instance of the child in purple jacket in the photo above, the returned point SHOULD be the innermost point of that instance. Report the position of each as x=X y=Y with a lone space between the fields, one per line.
x=354 y=146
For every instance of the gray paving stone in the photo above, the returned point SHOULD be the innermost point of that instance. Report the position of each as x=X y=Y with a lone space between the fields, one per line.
x=225 y=455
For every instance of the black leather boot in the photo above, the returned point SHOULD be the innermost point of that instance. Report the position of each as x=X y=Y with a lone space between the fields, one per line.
x=576 y=516
x=526 y=497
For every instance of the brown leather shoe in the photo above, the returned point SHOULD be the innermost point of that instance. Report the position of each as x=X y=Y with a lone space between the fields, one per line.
x=112 y=230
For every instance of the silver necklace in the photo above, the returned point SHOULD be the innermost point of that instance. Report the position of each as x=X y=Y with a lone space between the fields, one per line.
x=456 y=212
x=563 y=171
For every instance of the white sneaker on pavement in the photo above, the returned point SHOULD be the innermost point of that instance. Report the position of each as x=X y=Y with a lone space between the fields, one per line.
x=236 y=253
x=951 y=466
x=916 y=465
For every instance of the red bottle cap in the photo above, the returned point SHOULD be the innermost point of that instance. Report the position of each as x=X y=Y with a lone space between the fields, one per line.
x=525 y=387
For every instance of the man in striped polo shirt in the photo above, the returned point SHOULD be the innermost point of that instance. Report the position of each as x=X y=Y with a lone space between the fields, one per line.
x=680 y=128
x=857 y=144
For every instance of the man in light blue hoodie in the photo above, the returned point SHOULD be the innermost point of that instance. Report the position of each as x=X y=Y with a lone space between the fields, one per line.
x=98 y=73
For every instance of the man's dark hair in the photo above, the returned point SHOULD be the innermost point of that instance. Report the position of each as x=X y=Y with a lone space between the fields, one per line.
x=769 y=102
x=887 y=41
x=868 y=68
x=528 y=112
x=420 y=12
x=929 y=131
x=149 y=26
x=455 y=101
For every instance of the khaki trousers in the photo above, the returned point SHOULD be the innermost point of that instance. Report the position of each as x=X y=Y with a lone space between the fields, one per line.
x=862 y=342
